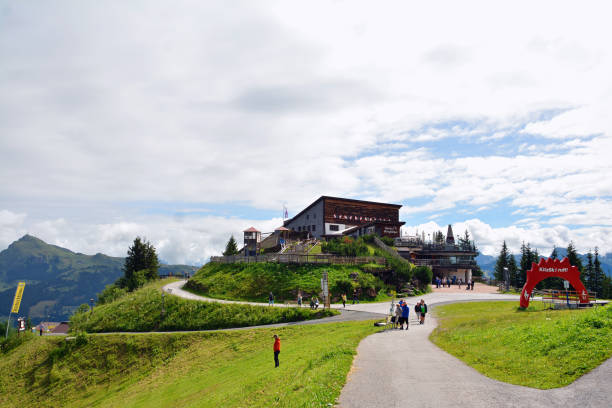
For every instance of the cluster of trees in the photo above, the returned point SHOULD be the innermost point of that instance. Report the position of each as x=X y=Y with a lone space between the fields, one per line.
x=141 y=266
x=591 y=274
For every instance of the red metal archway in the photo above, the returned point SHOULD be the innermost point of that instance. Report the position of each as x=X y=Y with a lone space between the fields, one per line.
x=548 y=268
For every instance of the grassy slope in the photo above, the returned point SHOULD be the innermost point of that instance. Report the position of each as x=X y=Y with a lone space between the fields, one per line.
x=229 y=369
x=536 y=348
x=254 y=281
x=141 y=311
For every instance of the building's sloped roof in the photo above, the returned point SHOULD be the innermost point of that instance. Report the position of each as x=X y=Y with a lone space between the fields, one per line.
x=282 y=229
x=252 y=229
x=63 y=327
x=398 y=206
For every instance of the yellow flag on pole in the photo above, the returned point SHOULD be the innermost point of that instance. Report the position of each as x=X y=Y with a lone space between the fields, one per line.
x=18 y=296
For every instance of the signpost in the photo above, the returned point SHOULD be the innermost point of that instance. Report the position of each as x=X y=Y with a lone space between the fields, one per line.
x=325 y=289
x=16 y=304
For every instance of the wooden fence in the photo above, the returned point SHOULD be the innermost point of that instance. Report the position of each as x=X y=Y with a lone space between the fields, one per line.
x=301 y=259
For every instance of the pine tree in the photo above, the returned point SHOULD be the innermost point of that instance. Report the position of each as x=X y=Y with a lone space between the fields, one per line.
x=589 y=279
x=141 y=264
x=572 y=255
x=231 y=248
x=502 y=262
x=597 y=273
x=525 y=264
x=554 y=254
x=513 y=271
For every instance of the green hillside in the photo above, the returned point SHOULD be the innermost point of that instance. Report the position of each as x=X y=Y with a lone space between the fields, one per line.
x=141 y=311
x=537 y=347
x=57 y=279
x=205 y=369
x=254 y=281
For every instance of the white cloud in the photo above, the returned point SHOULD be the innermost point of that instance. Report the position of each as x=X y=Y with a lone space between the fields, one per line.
x=196 y=102
x=489 y=239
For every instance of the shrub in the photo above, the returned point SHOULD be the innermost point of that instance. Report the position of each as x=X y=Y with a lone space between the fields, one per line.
x=110 y=294
x=345 y=247
x=423 y=275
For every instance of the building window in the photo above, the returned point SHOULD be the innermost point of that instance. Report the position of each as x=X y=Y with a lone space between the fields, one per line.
x=307 y=216
x=309 y=228
x=333 y=227
x=314 y=228
x=299 y=228
x=314 y=216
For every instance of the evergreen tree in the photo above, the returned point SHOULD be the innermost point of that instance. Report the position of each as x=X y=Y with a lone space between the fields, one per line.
x=597 y=273
x=439 y=237
x=513 y=271
x=502 y=262
x=554 y=254
x=589 y=279
x=572 y=255
x=525 y=265
x=231 y=248
x=605 y=288
x=140 y=265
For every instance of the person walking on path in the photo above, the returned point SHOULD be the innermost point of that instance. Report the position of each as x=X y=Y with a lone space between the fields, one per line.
x=417 y=311
x=270 y=299
x=355 y=297
x=468 y=284
x=276 y=350
x=423 y=311
x=398 y=315
x=300 y=299
x=405 y=315
x=344 y=300
x=312 y=302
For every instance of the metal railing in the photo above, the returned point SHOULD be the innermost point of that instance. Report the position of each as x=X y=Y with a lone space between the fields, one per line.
x=444 y=262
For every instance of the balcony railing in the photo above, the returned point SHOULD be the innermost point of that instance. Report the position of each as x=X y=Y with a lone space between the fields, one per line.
x=459 y=263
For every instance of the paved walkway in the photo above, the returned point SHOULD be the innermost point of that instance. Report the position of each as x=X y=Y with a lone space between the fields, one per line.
x=398 y=368
x=403 y=368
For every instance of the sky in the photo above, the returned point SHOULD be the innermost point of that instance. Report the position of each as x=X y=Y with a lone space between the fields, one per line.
x=188 y=121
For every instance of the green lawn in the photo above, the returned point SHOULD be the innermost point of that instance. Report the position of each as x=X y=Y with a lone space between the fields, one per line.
x=536 y=348
x=315 y=250
x=141 y=311
x=254 y=281
x=214 y=369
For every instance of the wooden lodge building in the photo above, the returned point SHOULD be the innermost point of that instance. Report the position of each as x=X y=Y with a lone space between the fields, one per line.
x=330 y=217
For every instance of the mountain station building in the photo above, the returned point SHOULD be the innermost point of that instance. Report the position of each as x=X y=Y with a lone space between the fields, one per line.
x=330 y=217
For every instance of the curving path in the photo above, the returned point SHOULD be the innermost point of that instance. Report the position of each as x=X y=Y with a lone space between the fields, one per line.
x=403 y=368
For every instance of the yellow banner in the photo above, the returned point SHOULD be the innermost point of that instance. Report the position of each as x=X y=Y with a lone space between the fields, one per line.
x=18 y=295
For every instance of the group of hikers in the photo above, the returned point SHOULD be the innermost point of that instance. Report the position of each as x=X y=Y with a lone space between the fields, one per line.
x=401 y=311
x=314 y=300
x=469 y=284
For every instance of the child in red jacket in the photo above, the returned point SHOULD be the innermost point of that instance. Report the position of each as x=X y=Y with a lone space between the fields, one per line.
x=276 y=350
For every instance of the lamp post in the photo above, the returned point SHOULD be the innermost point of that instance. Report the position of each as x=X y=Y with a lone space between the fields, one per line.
x=91 y=303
